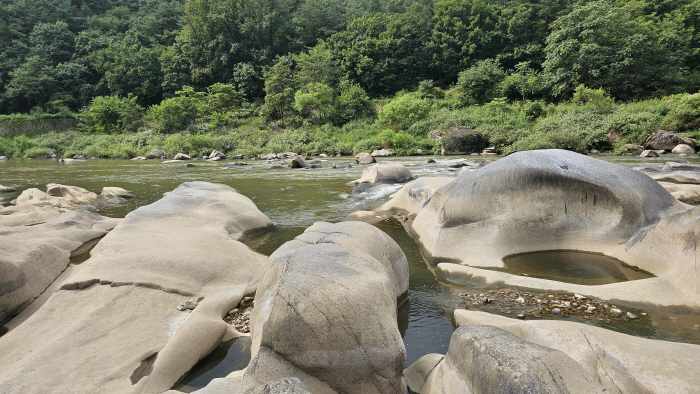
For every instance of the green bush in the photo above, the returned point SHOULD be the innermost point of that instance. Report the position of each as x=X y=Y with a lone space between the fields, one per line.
x=112 y=115
x=23 y=144
x=479 y=84
x=7 y=147
x=685 y=116
x=173 y=114
x=595 y=97
x=441 y=119
x=402 y=112
x=572 y=131
x=367 y=145
x=353 y=103
x=634 y=127
x=314 y=101
x=37 y=151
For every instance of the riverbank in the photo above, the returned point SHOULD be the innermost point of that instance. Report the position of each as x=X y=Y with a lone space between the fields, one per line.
x=589 y=126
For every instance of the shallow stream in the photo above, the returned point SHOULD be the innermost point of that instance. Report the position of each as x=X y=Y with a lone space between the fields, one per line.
x=293 y=200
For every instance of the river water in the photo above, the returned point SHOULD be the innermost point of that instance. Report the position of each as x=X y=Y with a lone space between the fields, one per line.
x=294 y=200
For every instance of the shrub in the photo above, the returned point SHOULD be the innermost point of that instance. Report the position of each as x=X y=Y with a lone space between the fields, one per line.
x=7 y=147
x=111 y=115
x=441 y=119
x=37 y=151
x=578 y=131
x=685 y=116
x=479 y=83
x=596 y=97
x=633 y=126
x=22 y=144
x=404 y=111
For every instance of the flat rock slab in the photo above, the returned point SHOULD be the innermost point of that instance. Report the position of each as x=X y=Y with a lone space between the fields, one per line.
x=115 y=326
x=32 y=257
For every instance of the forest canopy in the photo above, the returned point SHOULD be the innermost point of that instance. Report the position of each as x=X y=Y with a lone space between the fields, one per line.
x=59 y=55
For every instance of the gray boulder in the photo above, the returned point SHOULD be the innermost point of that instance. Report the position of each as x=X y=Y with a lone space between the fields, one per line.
x=490 y=360
x=342 y=165
x=182 y=156
x=308 y=311
x=216 y=153
x=667 y=141
x=462 y=142
x=364 y=158
x=648 y=153
x=683 y=149
x=115 y=192
x=298 y=162
x=281 y=386
x=564 y=200
x=384 y=172
x=7 y=189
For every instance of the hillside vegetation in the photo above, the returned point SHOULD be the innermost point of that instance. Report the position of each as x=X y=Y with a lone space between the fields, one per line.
x=341 y=76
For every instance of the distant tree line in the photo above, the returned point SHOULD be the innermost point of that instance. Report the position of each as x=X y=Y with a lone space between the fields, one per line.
x=324 y=60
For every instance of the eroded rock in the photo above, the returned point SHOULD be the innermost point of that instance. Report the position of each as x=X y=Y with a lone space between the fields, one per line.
x=490 y=360
x=124 y=300
x=364 y=158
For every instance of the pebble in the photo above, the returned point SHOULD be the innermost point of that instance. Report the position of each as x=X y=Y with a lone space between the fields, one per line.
x=579 y=297
x=615 y=311
x=631 y=316
x=181 y=307
x=189 y=305
x=556 y=311
x=520 y=300
x=521 y=316
x=591 y=308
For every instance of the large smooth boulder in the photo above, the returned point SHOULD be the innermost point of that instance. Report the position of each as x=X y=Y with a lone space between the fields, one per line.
x=683 y=149
x=32 y=257
x=69 y=197
x=490 y=360
x=462 y=142
x=364 y=158
x=622 y=363
x=325 y=313
x=115 y=326
x=298 y=162
x=667 y=141
x=382 y=173
x=539 y=200
x=182 y=156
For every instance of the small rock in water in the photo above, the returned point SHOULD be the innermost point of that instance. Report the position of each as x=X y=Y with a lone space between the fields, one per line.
x=591 y=308
x=615 y=311
x=520 y=300
x=190 y=165
x=579 y=297
x=233 y=311
x=631 y=316
x=521 y=316
x=556 y=311
x=181 y=307
x=430 y=161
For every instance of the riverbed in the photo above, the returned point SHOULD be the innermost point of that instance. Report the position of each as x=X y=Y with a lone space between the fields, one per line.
x=296 y=198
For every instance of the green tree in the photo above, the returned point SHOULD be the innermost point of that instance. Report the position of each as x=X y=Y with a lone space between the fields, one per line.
x=31 y=85
x=52 y=41
x=353 y=102
x=279 y=89
x=314 y=101
x=112 y=115
x=317 y=65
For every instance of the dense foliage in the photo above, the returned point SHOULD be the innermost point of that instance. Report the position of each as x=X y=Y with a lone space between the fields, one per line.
x=528 y=73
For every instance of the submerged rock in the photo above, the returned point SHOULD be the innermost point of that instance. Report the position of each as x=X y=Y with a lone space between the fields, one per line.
x=7 y=189
x=115 y=192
